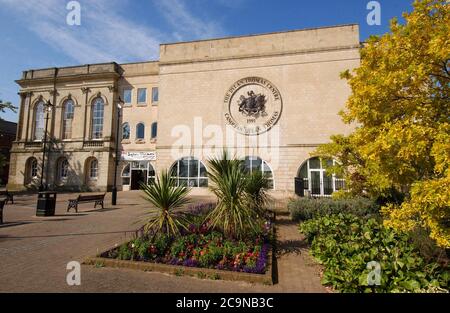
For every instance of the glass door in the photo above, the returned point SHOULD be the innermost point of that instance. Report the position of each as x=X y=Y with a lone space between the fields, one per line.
x=315 y=182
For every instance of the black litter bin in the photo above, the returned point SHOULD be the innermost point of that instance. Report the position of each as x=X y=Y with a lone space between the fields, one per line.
x=2 y=204
x=46 y=203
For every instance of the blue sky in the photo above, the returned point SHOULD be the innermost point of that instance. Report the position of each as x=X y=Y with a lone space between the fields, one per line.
x=34 y=33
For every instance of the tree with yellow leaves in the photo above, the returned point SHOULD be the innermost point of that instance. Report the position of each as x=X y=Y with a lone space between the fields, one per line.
x=401 y=106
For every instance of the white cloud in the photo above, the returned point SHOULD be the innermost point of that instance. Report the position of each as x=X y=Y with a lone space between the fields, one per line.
x=105 y=34
x=185 y=25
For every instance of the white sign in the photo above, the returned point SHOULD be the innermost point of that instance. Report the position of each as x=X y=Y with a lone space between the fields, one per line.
x=138 y=156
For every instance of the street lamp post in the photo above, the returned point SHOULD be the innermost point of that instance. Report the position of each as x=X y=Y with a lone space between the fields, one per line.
x=116 y=162
x=48 y=110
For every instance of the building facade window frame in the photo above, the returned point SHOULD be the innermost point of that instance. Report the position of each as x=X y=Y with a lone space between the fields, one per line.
x=142 y=96
x=146 y=166
x=127 y=95
x=154 y=130
x=92 y=169
x=126 y=131
x=140 y=131
x=31 y=171
x=97 y=118
x=315 y=179
x=39 y=121
x=67 y=118
x=34 y=169
x=155 y=95
x=189 y=171
x=63 y=169
x=126 y=175
x=254 y=162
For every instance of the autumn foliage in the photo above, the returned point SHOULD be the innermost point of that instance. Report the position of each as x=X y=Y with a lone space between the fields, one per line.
x=401 y=108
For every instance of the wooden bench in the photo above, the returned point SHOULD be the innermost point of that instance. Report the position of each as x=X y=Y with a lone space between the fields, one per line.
x=7 y=195
x=2 y=205
x=98 y=199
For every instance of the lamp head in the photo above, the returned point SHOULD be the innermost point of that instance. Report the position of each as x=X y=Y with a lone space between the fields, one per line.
x=120 y=103
x=48 y=106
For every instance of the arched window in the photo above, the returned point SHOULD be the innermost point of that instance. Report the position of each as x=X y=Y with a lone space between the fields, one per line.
x=316 y=180
x=126 y=174
x=39 y=113
x=92 y=169
x=140 y=131
x=190 y=172
x=68 y=112
x=63 y=169
x=154 y=130
x=125 y=131
x=252 y=163
x=34 y=168
x=31 y=170
x=97 y=118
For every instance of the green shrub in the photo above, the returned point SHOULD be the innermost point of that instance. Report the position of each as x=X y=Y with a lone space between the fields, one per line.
x=178 y=247
x=303 y=209
x=141 y=247
x=161 y=243
x=125 y=252
x=345 y=244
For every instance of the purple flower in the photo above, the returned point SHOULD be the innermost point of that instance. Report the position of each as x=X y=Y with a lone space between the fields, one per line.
x=262 y=259
x=174 y=261
x=190 y=263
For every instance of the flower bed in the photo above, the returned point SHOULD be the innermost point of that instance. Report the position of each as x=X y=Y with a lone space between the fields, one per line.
x=198 y=247
x=206 y=250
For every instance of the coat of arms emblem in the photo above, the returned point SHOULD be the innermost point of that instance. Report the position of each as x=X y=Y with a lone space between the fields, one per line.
x=252 y=106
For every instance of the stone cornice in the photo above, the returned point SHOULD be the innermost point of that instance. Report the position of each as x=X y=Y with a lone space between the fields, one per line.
x=263 y=55
x=46 y=80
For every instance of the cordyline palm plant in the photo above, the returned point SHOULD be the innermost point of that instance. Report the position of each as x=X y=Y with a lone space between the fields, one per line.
x=167 y=199
x=256 y=188
x=232 y=213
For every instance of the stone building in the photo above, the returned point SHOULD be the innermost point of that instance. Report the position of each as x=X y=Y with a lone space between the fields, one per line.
x=270 y=99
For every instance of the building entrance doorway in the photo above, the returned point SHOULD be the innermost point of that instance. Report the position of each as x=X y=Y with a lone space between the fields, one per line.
x=138 y=177
x=316 y=180
x=136 y=172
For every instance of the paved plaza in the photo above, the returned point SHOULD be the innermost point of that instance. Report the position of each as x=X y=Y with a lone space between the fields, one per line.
x=34 y=251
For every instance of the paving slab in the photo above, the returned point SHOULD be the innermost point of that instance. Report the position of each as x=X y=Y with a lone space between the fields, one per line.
x=34 y=251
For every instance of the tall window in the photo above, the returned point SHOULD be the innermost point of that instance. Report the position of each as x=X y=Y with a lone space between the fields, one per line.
x=39 y=113
x=63 y=169
x=140 y=131
x=150 y=174
x=127 y=93
x=93 y=169
x=125 y=131
x=190 y=172
x=252 y=163
x=97 y=118
x=316 y=180
x=142 y=95
x=155 y=94
x=126 y=174
x=31 y=170
x=34 y=168
x=154 y=130
x=68 y=118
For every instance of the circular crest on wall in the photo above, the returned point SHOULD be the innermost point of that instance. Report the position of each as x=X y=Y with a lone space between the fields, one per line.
x=253 y=105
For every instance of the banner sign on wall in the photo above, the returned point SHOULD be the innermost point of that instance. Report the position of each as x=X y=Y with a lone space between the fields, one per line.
x=138 y=156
